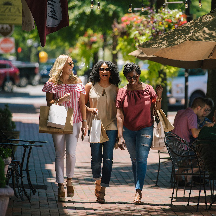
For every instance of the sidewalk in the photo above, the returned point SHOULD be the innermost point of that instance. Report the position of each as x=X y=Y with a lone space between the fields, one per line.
x=119 y=196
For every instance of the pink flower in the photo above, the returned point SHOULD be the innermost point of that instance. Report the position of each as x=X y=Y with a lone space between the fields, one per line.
x=124 y=18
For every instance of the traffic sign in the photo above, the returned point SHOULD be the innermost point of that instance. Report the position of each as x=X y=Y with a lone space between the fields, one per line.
x=7 y=45
x=6 y=30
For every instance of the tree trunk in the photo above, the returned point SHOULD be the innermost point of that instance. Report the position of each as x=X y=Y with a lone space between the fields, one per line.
x=164 y=102
x=95 y=58
x=161 y=73
x=211 y=87
x=159 y=4
x=213 y=4
x=104 y=45
x=114 y=53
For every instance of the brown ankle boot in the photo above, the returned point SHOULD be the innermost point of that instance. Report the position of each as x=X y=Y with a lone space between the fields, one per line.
x=100 y=198
x=138 y=197
x=61 y=192
x=97 y=187
x=70 y=189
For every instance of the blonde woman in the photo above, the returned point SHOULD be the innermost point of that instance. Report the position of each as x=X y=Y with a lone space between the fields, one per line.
x=66 y=89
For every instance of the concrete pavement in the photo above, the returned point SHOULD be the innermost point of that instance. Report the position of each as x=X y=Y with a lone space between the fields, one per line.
x=120 y=194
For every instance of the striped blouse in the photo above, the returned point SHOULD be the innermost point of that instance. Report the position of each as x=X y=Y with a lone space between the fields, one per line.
x=74 y=90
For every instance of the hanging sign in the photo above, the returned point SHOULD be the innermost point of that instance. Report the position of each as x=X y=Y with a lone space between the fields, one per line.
x=11 y=12
x=6 y=30
x=7 y=45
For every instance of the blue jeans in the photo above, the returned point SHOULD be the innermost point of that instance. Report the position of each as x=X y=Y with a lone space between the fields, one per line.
x=107 y=156
x=138 y=144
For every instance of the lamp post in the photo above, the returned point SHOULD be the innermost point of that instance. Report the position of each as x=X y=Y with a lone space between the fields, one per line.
x=189 y=18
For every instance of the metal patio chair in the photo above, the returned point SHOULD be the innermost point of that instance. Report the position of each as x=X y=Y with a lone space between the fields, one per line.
x=184 y=159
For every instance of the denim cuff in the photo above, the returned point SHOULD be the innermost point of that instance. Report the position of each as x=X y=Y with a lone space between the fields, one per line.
x=104 y=185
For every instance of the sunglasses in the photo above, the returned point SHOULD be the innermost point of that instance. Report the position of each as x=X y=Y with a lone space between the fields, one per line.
x=104 y=69
x=133 y=77
x=207 y=110
x=71 y=63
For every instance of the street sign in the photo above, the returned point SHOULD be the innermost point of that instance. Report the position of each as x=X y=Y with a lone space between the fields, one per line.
x=7 y=45
x=6 y=30
x=11 y=12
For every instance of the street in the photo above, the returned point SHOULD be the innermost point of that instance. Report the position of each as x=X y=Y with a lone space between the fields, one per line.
x=24 y=104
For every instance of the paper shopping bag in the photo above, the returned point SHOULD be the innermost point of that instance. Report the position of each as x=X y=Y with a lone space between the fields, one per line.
x=158 y=137
x=57 y=116
x=165 y=121
x=43 y=128
x=95 y=131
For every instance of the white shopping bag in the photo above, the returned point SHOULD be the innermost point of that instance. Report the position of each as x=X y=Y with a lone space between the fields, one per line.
x=57 y=116
x=158 y=137
x=95 y=131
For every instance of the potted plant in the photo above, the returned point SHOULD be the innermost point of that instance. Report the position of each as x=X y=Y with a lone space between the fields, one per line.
x=5 y=155
x=7 y=126
x=5 y=191
x=7 y=131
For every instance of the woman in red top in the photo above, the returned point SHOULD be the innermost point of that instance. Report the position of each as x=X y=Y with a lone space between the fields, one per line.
x=135 y=122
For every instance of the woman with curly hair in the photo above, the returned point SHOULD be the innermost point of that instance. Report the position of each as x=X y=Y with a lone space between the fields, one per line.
x=66 y=89
x=135 y=122
x=101 y=94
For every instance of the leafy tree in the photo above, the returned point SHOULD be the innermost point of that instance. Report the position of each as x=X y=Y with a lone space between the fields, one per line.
x=86 y=47
x=135 y=29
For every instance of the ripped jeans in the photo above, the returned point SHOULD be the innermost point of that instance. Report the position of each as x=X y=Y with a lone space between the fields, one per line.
x=138 y=144
x=106 y=155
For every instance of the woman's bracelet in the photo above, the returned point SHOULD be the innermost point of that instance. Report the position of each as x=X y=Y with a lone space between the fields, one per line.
x=84 y=120
x=159 y=99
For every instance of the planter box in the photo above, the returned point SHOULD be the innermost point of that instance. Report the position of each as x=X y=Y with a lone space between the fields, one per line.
x=5 y=194
x=7 y=161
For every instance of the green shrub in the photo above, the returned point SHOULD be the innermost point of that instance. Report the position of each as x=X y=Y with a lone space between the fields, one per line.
x=6 y=119
x=2 y=175
x=5 y=152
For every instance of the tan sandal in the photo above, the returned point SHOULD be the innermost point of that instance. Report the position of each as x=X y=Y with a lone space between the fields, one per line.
x=70 y=188
x=100 y=198
x=137 y=198
x=97 y=187
x=61 y=193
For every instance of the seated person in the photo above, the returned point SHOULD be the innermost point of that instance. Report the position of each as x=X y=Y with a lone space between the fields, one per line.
x=201 y=120
x=208 y=133
x=206 y=148
x=185 y=126
x=185 y=123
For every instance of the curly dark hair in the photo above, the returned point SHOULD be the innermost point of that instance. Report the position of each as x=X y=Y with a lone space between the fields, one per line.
x=129 y=67
x=94 y=76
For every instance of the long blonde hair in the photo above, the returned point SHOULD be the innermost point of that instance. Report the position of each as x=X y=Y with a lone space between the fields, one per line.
x=56 y=70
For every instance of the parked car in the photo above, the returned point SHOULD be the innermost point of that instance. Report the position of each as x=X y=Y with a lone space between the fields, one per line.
x=45 y=70
x=197 y=86
x=9 y=75
x=46 y=67
x=29 y=73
